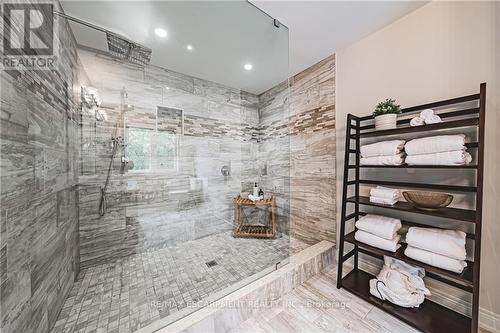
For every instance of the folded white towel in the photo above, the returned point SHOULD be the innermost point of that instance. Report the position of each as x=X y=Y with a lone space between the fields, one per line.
x=417 y=121
x=385 y=192
x=383 y=201
x=426 y=113
x=253 y=198
x=384 y=148
x=383 y=160
x=435 y=144
x=458 y=157
x=434 y=119
x=378 y=242
x=435 y=259
x=382 y=226
x=450 y=243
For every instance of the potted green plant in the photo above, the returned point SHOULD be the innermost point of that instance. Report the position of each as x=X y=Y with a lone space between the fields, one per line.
x=385 y=114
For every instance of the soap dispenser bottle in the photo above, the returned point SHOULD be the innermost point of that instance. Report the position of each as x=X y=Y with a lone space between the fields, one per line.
x=255 y=190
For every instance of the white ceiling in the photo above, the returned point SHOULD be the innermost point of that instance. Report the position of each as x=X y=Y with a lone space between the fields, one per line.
x=228 y=34
x=320 y=28
x=225 y=35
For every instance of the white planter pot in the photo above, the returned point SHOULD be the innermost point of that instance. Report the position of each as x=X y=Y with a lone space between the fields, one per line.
x=385 y=121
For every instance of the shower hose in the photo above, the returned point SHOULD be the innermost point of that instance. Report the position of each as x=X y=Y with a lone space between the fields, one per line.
x=103 y=202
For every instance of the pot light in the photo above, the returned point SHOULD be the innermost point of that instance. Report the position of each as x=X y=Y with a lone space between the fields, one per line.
x=161 y=32
x=189 y=47
x=248 y=67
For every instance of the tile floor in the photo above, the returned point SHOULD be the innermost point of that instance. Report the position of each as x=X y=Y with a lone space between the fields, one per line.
x=135 y=291
x=318 y=306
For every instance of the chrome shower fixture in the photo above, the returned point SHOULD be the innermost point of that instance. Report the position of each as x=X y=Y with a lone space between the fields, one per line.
x=125 y=49
x=90 y=96
x=118 y=45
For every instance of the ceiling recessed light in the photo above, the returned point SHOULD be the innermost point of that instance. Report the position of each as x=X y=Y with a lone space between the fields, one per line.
x=161 y=32
x=189 y=47
x=248 y=67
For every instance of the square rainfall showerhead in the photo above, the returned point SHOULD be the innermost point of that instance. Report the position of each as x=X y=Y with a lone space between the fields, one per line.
x=125 y=49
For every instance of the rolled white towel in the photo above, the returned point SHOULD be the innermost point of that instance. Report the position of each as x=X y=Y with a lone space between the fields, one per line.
x=383 y=201
x=378 y=242
x=383 y=160
x=435 y=259
x=384 y=148
x=435 y=144
x=434 y=119
x=253 y=198
x=426 y=113
x=458 y=157
x=450 y=243
x=382 y=226
x=385 y=192
x=417 y=121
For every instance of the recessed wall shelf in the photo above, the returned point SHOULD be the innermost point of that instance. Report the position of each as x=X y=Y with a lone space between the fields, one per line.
x=430 y=317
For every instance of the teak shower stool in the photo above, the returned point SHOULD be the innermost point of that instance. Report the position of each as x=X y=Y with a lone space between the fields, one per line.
x=254 y=230
x=430 y=317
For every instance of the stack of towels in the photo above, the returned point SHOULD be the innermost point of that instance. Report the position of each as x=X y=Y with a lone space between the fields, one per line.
x=384 y=195
x=437 y=247
x=438 y=150
x=379 y=231
x=383 y=153
x=427 y=116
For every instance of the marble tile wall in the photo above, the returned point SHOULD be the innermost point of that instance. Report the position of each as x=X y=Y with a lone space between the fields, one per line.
x=193 y=200
x=39 y=136
x=298 y=149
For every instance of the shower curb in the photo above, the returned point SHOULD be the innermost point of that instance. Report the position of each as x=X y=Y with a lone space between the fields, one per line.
x=224 y=314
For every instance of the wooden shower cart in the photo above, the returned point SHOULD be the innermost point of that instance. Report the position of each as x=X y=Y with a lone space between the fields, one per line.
x=254 y=230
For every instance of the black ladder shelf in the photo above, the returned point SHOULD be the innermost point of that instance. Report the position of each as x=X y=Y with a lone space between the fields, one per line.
x=430 y=317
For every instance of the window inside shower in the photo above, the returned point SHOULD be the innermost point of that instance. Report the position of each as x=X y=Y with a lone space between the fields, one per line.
x=151 y=150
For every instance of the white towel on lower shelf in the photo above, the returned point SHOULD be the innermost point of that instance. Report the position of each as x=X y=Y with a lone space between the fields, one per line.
x=435 y=144
x=383 y=148
x=435 y=259
x=450 y=243
x=383 y=160
x=378 y=225
x=400 y=283
x=457 y=157
x=385 y=192
x=378 y=242
x=383 y=201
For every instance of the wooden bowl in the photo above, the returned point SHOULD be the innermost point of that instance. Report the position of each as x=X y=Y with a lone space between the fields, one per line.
x=428 y=200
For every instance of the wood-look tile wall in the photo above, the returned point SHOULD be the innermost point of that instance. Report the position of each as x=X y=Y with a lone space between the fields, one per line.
x=39 y=136
x=298 y=131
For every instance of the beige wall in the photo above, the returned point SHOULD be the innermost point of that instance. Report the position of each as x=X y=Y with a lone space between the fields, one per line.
x=442 y=50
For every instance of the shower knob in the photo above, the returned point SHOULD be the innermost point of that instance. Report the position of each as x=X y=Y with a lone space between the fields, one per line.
x=225 y=171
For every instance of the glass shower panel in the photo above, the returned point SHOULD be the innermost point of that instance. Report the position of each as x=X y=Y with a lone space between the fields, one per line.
x=189 y=137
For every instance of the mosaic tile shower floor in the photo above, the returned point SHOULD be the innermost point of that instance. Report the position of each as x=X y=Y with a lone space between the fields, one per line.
x=137 y=290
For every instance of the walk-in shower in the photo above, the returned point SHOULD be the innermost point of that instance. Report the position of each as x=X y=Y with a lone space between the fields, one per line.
x=131 y=157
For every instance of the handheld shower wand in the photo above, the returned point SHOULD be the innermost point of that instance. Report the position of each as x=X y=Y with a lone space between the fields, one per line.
x=116 y=141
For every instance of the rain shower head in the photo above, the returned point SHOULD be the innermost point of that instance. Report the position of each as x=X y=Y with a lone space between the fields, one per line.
x=128 y=50
x=118 y=45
